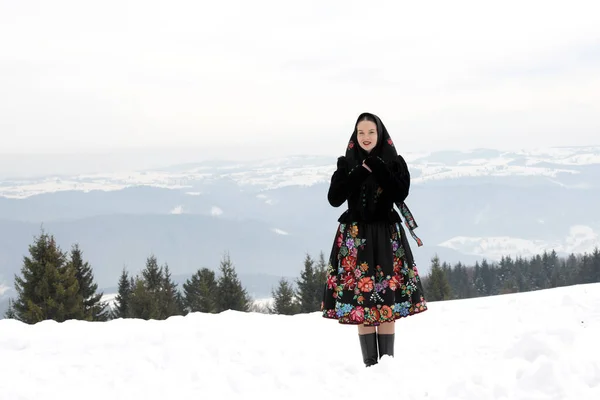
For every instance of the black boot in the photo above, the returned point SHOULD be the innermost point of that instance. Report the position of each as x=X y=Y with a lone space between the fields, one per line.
x=386 y=344
x=368 y=345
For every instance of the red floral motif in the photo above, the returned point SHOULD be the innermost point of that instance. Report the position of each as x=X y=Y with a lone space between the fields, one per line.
x=394 y=282
x=365 y=284
x=331 y=281
x=349 y=263
x=357 y=314
x=349 y=281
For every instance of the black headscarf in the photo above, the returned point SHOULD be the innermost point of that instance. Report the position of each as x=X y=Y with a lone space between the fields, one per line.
x=386 y=150
x=355 y=156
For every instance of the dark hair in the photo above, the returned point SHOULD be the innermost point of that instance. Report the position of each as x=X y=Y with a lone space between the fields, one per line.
x=366 y=117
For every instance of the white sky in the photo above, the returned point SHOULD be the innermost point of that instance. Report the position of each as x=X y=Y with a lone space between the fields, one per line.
x=291 y=77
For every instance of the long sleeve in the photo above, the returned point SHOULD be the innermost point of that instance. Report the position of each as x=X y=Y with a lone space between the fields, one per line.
x=343 y=183
x=393 y=177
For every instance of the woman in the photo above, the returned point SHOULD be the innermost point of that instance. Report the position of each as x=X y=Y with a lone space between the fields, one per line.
x=372 y=280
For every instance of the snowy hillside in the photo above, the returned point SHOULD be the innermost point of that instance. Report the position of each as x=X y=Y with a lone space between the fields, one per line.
x=580 y=239
x=309 y=170
x=537 y=345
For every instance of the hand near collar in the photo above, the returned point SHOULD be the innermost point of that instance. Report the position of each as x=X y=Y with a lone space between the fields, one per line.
x=372 y=163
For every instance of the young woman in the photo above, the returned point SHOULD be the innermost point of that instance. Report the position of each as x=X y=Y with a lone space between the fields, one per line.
x=372 y=279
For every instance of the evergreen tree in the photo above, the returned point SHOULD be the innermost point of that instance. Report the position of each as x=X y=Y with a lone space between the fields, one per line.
x=230 y=293
x=123 y=298
x=438 y=287
x=170 y=304
x=10 y=312
x=93 y=308
x=595 y=267
x=143 y=302
x=154 y=294
x=48 y=288
x=489 y=278
x=153 y=275
x=180 y=303
x=478 y=283
x=284 y=300
x=200 y=292
x=572 y=266
x=310 y=286
x=320 y=279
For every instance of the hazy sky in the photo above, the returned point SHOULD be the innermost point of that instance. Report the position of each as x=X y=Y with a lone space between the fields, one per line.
x=281 y=77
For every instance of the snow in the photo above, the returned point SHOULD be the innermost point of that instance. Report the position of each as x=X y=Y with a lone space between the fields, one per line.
x=536 y=345
x=177 y=210
x=276 y=173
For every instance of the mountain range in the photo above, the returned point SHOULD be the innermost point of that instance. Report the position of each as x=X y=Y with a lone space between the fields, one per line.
x=268 y=214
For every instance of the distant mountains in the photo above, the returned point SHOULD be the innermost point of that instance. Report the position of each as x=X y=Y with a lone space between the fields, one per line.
x=269 y=214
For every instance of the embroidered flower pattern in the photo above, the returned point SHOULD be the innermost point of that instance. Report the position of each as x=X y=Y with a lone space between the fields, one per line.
x=361 y=290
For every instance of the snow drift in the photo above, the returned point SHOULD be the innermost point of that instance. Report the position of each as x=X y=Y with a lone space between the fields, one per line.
x=537 y=345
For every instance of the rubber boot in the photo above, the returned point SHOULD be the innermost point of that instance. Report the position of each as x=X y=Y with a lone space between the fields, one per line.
x=386 y=344
x=368 y=345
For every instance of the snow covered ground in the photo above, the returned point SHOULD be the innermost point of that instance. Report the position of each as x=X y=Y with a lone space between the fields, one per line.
x=538 y=345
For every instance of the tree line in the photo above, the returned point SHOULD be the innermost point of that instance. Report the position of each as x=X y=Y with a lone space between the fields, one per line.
x=510 y=275
x=60 y=285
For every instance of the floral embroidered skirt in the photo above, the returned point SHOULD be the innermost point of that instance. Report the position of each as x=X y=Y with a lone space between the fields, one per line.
x=371 y=278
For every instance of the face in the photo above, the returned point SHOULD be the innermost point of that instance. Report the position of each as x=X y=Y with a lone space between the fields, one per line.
x=366 y=132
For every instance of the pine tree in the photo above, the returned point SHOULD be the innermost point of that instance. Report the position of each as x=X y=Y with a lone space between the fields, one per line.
x=200 y=292
x=143 y=303
x=478 y=283
x=48 y=288
x=488 y=274
x=320 y=279
x=438 y=287
x=284 y=300
x=123 y=298
x=93 y=308
x=230 y=293
x=148 y=297
x=310 y=287
x=180 y=303
x=10 y=312
x=169 y=296
x=153 y=275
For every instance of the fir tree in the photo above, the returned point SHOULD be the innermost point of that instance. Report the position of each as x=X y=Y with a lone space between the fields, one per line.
x=200 y=292
x=170 y=304
x=123 y=298
x=143 y=303
x=230 y=293
x=478 y=283
x=284 y=299
x=48 y=288
x=180 y=303
x=310 y=286
x=10 y=312
x=93 y=308
x=438 y=287
x=153 y=275
x=320 y=278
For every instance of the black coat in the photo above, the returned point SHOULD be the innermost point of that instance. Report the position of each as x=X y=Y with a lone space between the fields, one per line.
x=393 y=179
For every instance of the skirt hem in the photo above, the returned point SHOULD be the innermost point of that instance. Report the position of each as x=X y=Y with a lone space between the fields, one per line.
x=347 y=320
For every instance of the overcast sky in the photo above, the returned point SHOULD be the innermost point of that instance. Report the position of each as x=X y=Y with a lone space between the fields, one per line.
x=287 y=77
